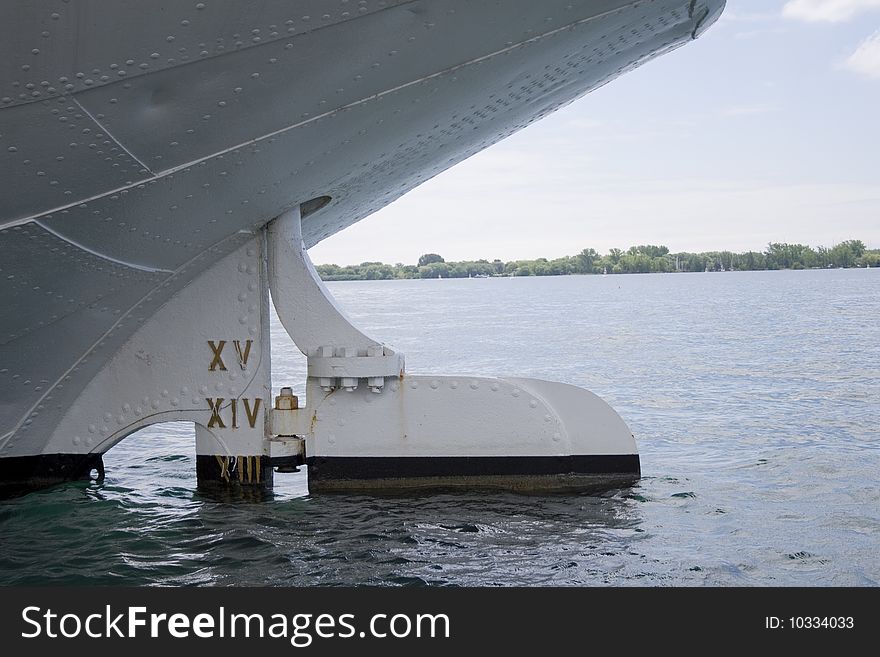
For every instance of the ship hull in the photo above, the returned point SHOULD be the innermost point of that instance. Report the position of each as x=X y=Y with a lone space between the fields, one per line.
x=144 y=142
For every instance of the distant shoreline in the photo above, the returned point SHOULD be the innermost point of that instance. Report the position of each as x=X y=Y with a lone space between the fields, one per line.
x=647 y=273
x=643 y=259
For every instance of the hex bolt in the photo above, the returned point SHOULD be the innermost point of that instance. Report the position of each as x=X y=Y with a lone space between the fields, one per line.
x=327 y=384
x=348 y=383
x=286 y=401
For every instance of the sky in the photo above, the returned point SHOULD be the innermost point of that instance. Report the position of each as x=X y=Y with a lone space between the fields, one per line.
x=766 y=129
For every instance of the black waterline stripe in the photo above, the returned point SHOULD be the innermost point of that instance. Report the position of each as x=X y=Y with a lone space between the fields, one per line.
x=19 y=474
x=381 y=467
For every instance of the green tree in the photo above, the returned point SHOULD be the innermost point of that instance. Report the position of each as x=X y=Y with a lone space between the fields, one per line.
x=643 y=258
x=429 y=258
x=434 y=270
x=407 y=271
x=856 y=246
x=842 y=255
x=584 y=261
x=870 y=259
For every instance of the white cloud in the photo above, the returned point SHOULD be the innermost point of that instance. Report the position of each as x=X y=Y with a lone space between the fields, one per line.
x=832 y=11
x=732 y=16
x=747 y=110
x=585 y=123
x=866 y=58
x=753 y=34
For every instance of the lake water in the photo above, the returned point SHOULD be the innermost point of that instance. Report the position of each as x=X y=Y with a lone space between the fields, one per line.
x=754 y=397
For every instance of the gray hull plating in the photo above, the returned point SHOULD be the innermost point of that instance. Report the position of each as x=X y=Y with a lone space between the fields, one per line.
x=142 y=142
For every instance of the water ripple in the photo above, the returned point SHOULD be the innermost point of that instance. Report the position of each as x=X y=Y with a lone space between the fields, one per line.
x=753 y=397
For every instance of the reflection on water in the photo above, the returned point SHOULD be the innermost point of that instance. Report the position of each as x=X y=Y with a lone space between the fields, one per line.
x=753 y=398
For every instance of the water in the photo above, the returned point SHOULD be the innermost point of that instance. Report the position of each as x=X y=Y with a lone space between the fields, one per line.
x=753 y=396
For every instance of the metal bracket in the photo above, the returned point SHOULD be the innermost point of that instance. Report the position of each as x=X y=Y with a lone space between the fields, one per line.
x=338 y=353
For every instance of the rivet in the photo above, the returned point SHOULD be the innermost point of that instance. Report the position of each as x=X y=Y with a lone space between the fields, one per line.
x=533 y=403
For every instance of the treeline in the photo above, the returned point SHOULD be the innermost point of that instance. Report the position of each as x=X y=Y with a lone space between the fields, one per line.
x=635 y=260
